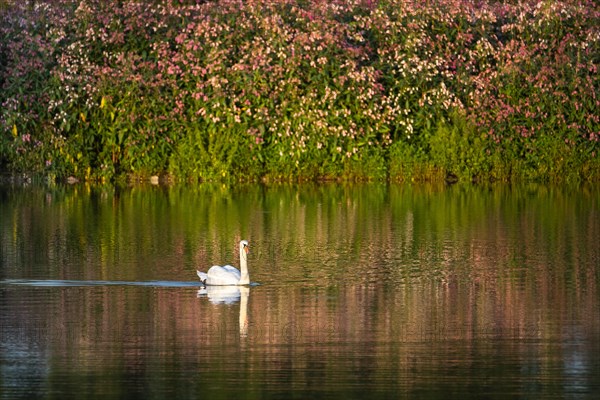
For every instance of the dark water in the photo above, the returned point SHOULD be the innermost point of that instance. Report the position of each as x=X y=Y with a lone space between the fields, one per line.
x=367 y=291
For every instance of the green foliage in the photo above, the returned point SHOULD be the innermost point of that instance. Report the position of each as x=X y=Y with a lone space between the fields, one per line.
x=282 y=90
x=406 y=163
x=210 y=154
x=459 y=149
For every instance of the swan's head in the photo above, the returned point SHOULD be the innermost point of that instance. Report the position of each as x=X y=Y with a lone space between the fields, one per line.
x=244 y=246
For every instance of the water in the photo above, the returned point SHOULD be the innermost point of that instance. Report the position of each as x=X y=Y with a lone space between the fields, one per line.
x=358 y=291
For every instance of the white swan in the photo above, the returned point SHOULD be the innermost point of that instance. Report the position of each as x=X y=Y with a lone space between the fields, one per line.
x=228 y=275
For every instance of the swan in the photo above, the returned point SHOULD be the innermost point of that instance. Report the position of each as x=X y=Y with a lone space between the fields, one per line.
x=228 y=275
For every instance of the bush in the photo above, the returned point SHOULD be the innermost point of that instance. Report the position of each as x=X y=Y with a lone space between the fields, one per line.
x=301 y=89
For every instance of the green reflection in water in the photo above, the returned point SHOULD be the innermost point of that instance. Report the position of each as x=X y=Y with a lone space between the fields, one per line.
x=365 y=289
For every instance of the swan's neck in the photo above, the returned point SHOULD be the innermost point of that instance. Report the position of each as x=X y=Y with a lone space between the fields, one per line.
x=245 y=278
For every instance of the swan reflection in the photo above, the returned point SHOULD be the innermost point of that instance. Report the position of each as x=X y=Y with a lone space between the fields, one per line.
x=230 y=295
x=223 y=294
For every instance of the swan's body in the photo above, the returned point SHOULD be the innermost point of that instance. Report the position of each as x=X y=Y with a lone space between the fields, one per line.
x=228 y=275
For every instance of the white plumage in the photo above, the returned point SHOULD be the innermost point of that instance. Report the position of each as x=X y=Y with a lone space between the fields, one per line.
x=228 y=275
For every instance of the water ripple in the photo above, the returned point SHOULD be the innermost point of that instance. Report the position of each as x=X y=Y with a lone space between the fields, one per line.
x=69 y=283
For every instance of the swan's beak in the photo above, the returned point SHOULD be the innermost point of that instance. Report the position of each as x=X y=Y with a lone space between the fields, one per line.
x=246 y=249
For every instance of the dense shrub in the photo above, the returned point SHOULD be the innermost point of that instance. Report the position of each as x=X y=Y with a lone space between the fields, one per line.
x=283 y=89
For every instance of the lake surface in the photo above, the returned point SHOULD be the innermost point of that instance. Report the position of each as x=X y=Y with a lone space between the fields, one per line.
x=359 y=291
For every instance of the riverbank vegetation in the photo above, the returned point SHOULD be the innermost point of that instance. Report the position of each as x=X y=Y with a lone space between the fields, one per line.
x=301 y=89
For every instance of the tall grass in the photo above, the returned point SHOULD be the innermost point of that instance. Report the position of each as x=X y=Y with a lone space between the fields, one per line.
x=229 y=90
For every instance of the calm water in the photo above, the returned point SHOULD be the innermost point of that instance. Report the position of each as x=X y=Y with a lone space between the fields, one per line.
x=361 y=291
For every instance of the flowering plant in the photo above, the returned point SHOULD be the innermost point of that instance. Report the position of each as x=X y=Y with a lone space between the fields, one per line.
x=281 y=89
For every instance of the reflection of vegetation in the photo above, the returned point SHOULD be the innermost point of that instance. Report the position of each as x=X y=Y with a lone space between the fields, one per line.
x=388 y=267
x=331 y=231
